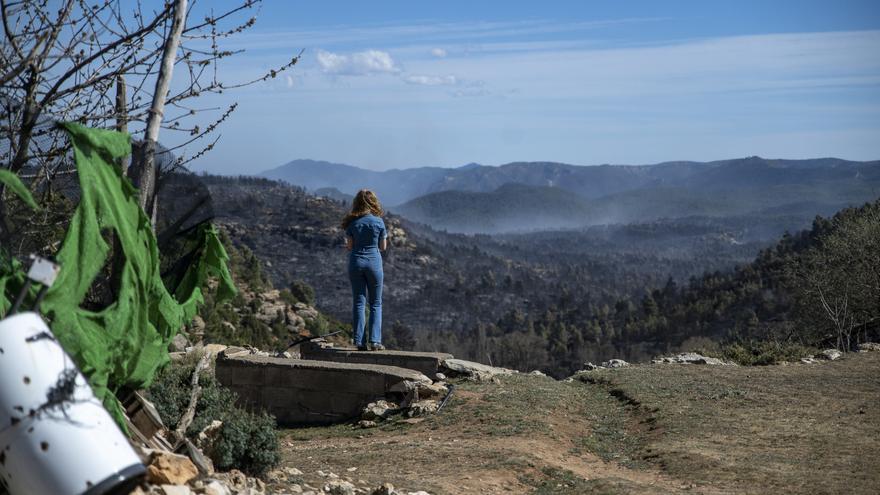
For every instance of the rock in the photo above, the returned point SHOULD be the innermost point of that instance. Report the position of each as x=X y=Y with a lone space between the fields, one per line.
x=275 y=476
x=615 y=363
x=293 y=471
x=198 y=325
x=214 y=487
x=236 y=480
x=440 y=377
x=808 y=360
x=474 y=371
x=380 y=409
x=869 y=347
x=385 y=489
x=420 y=492
x=175 y=490
x=206 y=437
x=295 y=488
x=177 y=357
x=214 y=349
x=305 y=311
x=422 y=408
x=339 y=487
x=228 y=326
x=367 y=424
x=433 y=390
x=588 y=366
x=537 y=373
x=829 y=354
x=689 y=358
x=179 y=343
x=203 y=463
x=170 y=469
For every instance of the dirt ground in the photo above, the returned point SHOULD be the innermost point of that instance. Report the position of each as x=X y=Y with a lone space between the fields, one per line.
x=645 y=429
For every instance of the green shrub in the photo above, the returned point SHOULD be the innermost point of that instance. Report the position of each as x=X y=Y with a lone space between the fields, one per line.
x=302 y=292
x=762 y=352
x=247 y=441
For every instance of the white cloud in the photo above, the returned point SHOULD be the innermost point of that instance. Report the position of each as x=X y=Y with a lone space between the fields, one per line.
x=357 y=64
x=289 y=81
x=438 y=52
x=425 y=80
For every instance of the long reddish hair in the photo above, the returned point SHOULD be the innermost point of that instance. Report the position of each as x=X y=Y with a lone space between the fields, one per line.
x=364 y=203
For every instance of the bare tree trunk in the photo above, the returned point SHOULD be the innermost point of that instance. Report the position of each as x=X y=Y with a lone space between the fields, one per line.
x=122 y=116
x=147 y=180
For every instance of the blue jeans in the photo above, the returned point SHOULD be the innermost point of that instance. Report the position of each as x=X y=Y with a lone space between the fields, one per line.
x=366 y=277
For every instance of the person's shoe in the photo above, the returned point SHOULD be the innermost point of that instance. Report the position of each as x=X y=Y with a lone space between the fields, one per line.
x=376 y=347
x=363 y=348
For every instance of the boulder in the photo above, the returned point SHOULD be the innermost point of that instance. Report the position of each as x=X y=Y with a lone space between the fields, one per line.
x=869 y=347
x=170 y=469
x=472 y=370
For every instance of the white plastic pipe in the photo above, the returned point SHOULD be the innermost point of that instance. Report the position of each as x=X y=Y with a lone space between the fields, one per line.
x=55 y=437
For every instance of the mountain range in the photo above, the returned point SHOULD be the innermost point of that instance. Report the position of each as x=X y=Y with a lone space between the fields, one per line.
x=525 y=196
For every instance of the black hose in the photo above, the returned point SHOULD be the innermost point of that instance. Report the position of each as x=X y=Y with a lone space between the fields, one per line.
x=446 y=399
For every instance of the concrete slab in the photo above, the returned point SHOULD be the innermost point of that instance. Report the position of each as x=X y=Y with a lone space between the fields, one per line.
x=428 y=363
x=306 y=391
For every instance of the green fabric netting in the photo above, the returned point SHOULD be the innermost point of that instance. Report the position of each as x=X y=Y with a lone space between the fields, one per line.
x=124 y=344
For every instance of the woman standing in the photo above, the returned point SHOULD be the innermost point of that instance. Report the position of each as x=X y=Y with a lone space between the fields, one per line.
x=365 y=236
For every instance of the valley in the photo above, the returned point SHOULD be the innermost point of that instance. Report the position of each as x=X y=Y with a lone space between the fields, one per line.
x=690 y=276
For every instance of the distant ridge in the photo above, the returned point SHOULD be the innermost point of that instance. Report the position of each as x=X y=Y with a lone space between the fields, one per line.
x=557 y=195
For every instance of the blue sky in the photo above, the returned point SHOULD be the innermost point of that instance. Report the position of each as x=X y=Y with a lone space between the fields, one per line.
x=401 y=84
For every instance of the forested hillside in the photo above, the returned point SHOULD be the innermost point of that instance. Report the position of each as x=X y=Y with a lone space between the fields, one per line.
x=549 y=301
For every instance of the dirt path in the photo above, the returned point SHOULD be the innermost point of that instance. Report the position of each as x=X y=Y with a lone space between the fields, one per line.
x=646 y=429
x=491 y=440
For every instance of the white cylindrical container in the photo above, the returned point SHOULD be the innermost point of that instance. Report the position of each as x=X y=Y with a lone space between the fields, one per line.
x=55 y=437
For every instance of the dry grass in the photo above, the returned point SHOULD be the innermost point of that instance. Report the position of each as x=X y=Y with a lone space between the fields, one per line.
x=645 y=429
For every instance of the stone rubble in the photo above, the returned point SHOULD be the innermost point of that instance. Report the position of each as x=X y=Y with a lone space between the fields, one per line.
x=380 y=409
x=829 y=355
x=691 y=358
x=611 y=363
x=615 y=363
